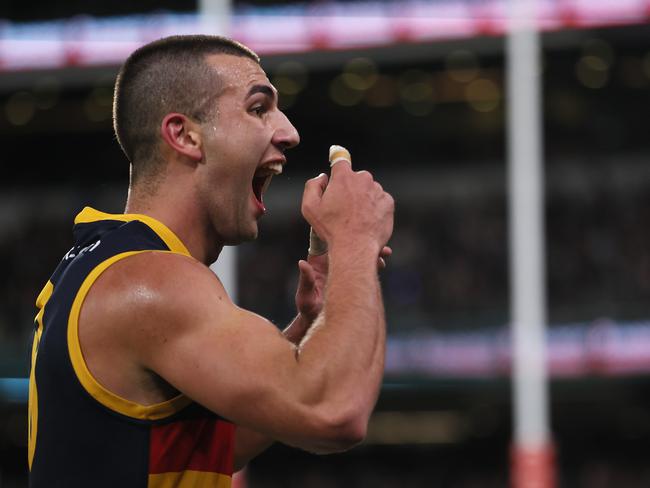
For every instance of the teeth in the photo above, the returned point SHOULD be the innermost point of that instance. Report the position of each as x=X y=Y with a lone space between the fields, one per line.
x=269 y=169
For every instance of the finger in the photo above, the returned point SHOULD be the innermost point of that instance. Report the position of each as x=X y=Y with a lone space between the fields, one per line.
x=339 y=153
x=314 y=189
x=319 y=182
x=342 y=166
x=307 y=276
x=367 y=175
x=386 y=252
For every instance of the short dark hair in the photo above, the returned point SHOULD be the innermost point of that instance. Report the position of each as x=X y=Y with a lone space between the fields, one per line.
x=164 y=76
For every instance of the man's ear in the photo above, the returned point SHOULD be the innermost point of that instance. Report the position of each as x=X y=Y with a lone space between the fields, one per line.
x=178 y=131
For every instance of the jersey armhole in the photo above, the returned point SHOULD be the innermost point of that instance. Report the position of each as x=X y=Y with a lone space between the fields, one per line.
x=93 y=387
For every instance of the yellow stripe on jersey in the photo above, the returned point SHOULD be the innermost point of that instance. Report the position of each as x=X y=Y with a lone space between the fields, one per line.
x=189 y=479
x=42 y=299
x=88 y=381
x=44 y=295
x=89 y=214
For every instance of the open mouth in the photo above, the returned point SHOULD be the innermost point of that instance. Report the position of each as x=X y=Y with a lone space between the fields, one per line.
x=262 y=180
x=260 y=184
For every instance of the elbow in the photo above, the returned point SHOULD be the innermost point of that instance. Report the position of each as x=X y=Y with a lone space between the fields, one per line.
x=352 y=435
x=348 y=434
x=342 y=431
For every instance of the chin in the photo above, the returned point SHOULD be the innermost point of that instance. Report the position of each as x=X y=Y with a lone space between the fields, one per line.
x=252 y=236
x=242 y=239
x=242 y=236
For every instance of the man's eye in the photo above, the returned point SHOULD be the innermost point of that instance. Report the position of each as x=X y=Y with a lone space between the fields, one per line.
x=258 y=110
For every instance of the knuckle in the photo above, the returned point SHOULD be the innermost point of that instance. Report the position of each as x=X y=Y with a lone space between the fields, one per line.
x=314 y=180
x=366 y=175
x=390 y=200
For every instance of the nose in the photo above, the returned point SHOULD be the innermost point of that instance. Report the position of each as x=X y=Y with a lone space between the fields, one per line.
x=286 y=136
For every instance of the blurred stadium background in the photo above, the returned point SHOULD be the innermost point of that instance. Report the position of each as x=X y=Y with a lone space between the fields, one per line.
x=415 y=90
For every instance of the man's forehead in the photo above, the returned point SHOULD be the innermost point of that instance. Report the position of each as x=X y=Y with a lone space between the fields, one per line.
x=237 y=71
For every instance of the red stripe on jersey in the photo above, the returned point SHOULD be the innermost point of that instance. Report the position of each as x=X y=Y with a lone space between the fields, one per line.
x=196 y=444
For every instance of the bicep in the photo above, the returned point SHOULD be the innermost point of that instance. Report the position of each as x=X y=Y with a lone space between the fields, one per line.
x=221 y=359
x=231 y=361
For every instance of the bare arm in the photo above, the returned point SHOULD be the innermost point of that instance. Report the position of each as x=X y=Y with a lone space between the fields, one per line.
x=318 y=396
x=353 y=295
x=249 y=443
x=309 y=303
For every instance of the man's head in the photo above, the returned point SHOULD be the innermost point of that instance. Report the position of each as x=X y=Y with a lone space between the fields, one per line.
x=198 y=119
x=165 y=76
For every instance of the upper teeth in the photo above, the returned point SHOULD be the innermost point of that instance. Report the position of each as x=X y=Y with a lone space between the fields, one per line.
x=270 y=169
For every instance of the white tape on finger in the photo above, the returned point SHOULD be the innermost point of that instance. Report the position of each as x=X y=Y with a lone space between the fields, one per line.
x=339 y=153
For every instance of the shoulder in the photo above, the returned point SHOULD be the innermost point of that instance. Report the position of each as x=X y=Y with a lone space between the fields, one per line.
x=153 y=291
x=148 y=275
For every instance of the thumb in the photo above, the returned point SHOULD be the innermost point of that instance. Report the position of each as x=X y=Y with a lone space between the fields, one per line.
x=307 y=277
x=314 y=189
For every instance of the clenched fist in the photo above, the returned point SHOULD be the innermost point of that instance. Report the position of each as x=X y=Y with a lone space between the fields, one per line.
x=349 y=209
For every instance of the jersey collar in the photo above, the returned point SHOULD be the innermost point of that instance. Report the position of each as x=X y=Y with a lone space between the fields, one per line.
x=89 y=214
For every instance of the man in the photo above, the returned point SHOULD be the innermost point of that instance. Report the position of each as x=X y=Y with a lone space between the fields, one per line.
x=142 y=366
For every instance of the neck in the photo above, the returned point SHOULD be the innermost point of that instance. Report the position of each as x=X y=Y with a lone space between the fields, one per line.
x=178 y=211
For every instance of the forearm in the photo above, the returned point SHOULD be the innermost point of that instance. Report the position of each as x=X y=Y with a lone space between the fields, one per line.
x=346 y=345
x=356 y=300
x=249 y=443
x=338 y=368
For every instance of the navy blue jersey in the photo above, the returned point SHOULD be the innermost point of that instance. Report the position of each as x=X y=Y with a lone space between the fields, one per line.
x=80 y=433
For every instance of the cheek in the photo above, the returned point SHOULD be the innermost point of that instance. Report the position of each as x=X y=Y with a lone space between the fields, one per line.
x=226 y=189
x=231 y=157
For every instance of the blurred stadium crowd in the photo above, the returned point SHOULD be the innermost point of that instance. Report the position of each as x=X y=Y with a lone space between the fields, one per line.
x=448 y=273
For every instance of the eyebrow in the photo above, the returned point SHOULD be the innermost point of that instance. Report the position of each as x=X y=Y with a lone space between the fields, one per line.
x=265 y=89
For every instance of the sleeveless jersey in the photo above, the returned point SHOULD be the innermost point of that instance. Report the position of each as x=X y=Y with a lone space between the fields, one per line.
x=80 y=433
